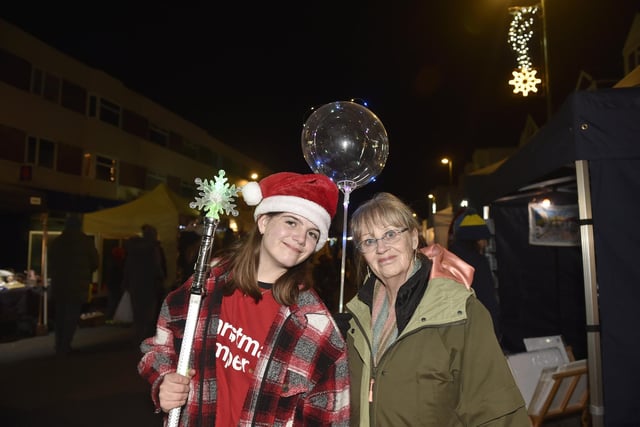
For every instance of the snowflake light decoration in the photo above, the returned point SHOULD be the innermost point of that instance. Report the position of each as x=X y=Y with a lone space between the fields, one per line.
x=524 y=81
x=520 y=34
x=216 y=196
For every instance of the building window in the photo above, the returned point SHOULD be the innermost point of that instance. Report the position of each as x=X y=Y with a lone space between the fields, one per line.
x=135 y=123
x=47 y=153
x=41 y=152
x=37 y=81
x=158 y=136
x=51 y=88
x=191 y=149
x=32 y=150
x=93 y=106
x=74 y=97
x=109 y=112
x=12 y=144
x=105 y=168
x=14 y=70
x=206 y=155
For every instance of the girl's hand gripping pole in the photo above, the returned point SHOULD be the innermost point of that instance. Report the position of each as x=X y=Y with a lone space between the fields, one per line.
x=215 y=197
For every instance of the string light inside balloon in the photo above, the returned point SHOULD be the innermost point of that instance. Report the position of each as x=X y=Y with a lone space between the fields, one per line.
x=520 y=34
x=347 y=142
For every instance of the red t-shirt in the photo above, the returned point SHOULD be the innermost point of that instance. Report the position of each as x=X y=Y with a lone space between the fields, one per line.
x=243 y=328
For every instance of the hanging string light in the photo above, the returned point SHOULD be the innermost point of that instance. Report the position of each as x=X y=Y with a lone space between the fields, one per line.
x=520 y=33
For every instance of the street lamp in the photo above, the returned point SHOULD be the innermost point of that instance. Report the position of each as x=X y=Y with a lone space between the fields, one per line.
x=446 y=161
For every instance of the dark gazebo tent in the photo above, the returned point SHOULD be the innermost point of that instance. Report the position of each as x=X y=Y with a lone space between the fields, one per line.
x=588 y=154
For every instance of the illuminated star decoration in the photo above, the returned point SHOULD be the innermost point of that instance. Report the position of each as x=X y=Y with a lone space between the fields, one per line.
x=524 y=81
x=520 y=32
x=216 y=197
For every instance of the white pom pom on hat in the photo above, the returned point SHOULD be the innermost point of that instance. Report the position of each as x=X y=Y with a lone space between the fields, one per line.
x=313 y=196
x=251 y=193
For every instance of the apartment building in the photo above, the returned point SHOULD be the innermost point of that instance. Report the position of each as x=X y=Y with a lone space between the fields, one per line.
x=74 y=139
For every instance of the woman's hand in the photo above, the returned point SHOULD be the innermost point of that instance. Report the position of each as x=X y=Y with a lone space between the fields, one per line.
x=174 y=390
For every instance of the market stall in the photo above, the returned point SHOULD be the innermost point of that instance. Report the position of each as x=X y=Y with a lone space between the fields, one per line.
x=588 y=154
x=20 y=304
x=161 y=208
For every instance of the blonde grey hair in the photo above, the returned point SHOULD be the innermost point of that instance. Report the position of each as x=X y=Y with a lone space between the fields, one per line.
x=382 y=210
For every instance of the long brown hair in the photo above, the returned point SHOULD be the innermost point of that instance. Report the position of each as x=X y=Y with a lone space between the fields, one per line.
x=244 y=257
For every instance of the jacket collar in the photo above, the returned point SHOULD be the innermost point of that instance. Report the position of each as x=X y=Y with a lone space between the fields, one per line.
x=409 y=295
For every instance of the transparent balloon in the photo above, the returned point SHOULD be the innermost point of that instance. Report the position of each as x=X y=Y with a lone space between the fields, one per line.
x=346 y=142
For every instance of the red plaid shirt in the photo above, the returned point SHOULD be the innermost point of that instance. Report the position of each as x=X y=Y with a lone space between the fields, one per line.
x=301 y=378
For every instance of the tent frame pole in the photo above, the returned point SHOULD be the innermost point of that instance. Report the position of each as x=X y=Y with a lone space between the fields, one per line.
x=596 y=406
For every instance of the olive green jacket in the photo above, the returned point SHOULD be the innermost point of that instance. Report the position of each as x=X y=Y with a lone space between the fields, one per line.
x=445 y=369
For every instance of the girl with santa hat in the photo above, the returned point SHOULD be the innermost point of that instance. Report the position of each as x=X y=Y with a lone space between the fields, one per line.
x=266 y=350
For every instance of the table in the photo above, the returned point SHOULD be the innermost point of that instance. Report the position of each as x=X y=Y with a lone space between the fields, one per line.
x=19 y=309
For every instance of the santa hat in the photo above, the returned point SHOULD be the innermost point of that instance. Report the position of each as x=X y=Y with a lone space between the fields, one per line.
x=470 y=226
x=313 y=196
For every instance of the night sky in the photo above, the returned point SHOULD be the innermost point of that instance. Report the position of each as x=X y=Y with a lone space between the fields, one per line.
x=434 y=72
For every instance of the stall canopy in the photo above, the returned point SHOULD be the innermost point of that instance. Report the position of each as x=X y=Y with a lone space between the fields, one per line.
x=161 y=208
x=590 y=148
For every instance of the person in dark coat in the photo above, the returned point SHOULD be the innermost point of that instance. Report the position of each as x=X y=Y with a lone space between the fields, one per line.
x=144 y=274
x=470 y=237
x=114 y=281
x=73 y=258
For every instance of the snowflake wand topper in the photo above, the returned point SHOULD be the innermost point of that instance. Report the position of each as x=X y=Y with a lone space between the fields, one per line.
x=216 y=196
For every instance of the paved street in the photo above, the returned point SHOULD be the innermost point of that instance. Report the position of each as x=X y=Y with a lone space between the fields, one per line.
x=96 y=386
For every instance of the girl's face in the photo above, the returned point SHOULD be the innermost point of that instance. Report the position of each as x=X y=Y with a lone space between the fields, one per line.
x=287 y=240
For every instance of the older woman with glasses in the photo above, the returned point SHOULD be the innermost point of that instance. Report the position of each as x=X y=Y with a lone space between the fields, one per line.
x=422 y=351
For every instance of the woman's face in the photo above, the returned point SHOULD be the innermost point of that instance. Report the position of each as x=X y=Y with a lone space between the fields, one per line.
x=287 y=240
x=391 y=262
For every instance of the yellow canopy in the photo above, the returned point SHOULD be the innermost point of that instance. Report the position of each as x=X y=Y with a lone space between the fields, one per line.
x=161 y=208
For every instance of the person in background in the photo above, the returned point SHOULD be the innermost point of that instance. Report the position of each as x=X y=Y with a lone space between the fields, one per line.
x=266 y=350
x=114 y=281
x=469 y=239
x=72 y=258
x=143 y=275
x=188 y=245
x=421 y=347
x=326 y=278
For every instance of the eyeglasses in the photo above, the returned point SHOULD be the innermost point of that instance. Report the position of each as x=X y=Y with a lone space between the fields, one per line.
x=389 y=236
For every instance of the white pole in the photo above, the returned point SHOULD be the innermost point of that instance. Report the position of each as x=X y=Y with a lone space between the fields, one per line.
x=197 y=286
x=43 y=272
x=346 y=187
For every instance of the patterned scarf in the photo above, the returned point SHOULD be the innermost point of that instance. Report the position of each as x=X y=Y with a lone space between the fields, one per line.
x=383 y=318
x=383 y=322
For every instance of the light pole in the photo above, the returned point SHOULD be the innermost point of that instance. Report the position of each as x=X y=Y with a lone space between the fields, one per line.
x=447 y=161
x=545 y=51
